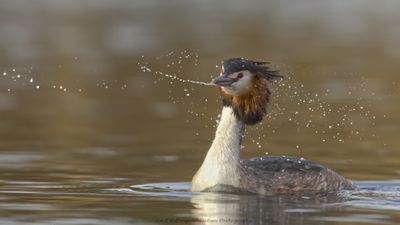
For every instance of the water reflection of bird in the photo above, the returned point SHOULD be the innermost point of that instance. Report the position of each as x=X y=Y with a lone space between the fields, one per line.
x=232 y=209
x=244 y=87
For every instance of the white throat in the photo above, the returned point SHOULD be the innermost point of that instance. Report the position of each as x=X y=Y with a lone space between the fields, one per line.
x=222 y=163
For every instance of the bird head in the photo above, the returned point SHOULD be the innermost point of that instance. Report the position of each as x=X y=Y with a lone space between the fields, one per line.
x=244 y=87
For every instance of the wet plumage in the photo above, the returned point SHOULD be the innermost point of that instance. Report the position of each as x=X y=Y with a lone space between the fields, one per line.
x=244 y=89
x=287 y=174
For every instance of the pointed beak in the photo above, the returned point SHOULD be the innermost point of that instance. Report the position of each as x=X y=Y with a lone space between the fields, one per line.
x=223 y=81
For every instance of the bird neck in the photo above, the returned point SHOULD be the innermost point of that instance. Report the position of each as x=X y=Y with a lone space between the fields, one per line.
x=222 y=163
x=228 y=138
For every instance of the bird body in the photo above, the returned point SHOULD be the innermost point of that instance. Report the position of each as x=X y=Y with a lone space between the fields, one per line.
x=244 y=87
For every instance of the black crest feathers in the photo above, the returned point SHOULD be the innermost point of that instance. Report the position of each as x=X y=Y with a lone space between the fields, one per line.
x=239 y=64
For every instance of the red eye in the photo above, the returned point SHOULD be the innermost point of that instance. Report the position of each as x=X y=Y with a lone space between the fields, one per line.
x=240 y=75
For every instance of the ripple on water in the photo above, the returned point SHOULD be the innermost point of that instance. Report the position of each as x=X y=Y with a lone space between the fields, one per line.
x=18 y=159
x=379 y=195
x=357 y=218
x=173 y=189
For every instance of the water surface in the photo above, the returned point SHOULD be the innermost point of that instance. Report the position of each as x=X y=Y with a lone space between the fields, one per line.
x=88 y=137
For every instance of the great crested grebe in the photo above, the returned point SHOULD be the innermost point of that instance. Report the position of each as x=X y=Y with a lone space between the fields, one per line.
x=244 y=88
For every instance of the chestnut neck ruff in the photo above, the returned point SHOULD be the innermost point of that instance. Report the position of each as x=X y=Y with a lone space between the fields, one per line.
x=250 y=107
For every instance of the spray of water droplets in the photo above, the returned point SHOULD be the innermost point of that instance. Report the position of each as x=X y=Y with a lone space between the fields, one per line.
x=172 y=70
x=319 y=115
x=294 y=104
x=16 y=79
x=315 y=113
x=177 y=66
x=174 y=77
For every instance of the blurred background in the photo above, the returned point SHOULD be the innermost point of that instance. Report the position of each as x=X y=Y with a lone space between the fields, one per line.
x=80 y=113
x=73 y=98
